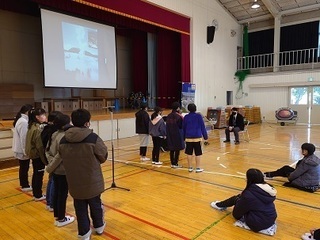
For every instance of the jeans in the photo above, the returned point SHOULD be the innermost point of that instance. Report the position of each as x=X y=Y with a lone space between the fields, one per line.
x=50 y=191
x=23 y=173
x=96 y=213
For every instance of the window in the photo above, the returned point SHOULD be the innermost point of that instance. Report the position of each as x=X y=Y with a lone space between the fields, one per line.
x=299 y=95
x=316 y=96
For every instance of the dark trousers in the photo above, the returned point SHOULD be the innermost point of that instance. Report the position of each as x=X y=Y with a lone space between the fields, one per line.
x=23 y=173
x=235 y=130
x=37 y=177
x=50 y=191
x=60 y=194
x=143 y=151
x=281 y=172
x=174 y=156
x=96 y=213
x=229 y=202
x=157 y=141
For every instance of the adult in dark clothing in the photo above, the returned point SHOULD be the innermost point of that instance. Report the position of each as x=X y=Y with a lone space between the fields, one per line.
x=142 y=129
x=255 y=205
x=306 y=175
x=82 y=153
x=235 y=125
x=175 y=139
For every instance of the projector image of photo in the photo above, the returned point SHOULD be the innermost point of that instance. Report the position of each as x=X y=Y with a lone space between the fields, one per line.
x=80 y=52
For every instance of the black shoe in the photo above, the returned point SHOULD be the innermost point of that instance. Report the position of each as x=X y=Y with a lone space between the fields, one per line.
x=237 y=143
x=226 y=141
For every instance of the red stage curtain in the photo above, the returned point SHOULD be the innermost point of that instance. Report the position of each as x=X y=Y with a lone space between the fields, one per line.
x=169 y=68
x=185 y=58
x=139 y=61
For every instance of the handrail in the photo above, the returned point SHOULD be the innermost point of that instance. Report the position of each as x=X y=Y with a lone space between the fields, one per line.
x=303 y=58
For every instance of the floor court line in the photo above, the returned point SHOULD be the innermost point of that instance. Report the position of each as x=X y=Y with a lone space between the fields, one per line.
x=232 y=188
x=148 y=223
x=210 y=226
x=43 y=202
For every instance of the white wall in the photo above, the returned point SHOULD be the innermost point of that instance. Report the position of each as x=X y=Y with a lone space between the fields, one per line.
x=269 y=99
x=212 y=66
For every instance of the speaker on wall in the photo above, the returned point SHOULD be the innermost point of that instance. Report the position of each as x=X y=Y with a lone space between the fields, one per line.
x=210 y=33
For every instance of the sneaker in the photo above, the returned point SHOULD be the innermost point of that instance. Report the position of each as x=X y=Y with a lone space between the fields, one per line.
x=43 y=197
x=144 y=159
x=176 y=166
x=198 y=170
x=226 y=141
x=214 y=205
x=236 y=142
x=307 y=236
x=157 y=163
x=67 y=220
x=190 y=169
x=26 y=189
x=50 y=209
x=100 y=230
x=86 y=236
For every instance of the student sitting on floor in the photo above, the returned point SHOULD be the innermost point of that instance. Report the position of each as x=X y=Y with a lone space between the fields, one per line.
x=254 y=207
x=306 y=175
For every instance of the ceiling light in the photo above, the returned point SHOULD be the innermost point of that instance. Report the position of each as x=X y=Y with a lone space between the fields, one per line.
x=255 y=4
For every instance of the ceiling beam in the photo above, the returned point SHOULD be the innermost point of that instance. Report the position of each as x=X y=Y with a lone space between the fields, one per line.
x=255 y=19
x=300 y=9
x=272 y=9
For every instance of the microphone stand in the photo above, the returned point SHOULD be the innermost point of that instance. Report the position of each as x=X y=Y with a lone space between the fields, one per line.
x=113 y=184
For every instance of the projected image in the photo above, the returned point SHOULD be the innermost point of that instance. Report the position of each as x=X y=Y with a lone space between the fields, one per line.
x=80 y=46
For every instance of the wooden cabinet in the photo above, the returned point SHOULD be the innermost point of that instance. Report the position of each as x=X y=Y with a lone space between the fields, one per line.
x=252 y=114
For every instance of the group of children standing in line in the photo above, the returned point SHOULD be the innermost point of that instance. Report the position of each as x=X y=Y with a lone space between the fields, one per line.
x=180 y=133
x=72 y=155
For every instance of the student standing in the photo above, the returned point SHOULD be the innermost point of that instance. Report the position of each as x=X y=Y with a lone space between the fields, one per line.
x=57 y=171
x=157 y=129
x=46 y=134
x=20 y=125
x=175 y=139
x=35 y=150
x=82 y=153
x=142 y=129
x=194 y=130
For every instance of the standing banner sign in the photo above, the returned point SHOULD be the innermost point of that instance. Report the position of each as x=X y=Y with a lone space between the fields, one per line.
x=187 y=95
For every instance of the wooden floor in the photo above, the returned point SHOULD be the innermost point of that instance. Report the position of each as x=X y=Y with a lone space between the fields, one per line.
x=165 y=203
